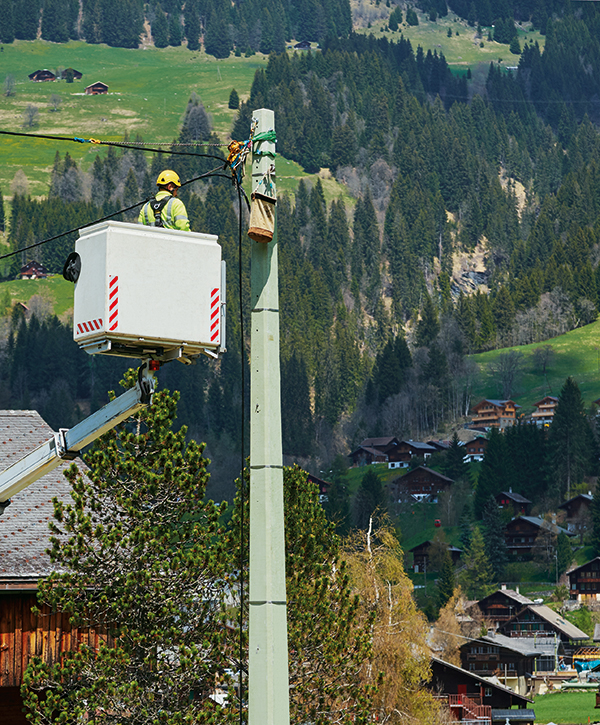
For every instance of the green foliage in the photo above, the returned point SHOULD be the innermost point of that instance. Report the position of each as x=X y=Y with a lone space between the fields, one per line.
x=477 y=575
x=570 y=439
x=493 y=535
x=234 y=99
x=446 y=581
x=411 y=16
x=455 y=466
x=370 y=498
x=564 y=553
x=491 y=479
x=140 y=537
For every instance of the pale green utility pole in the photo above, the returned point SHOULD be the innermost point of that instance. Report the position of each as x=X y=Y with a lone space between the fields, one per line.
x=268 y=682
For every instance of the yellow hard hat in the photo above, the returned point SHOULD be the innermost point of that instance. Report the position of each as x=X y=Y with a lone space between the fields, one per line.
x=168 y=177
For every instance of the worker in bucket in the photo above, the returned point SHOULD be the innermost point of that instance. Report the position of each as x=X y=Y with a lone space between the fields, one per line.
x=165 y=209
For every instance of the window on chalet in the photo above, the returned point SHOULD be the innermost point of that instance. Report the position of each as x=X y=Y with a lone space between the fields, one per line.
x=487 y=692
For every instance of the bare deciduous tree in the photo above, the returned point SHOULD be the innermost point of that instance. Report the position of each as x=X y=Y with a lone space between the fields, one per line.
x=55 y=102
x=542 y=357
x=507 y=369
x=30 y=116
x=9 y=85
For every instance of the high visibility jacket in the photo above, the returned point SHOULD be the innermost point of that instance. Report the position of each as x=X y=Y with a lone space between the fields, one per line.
x=174 y=214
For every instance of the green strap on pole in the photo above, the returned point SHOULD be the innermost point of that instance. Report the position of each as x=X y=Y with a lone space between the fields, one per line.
x=264 y=136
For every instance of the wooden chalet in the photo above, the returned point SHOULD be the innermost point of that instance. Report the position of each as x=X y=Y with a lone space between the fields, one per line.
x=302 y=45
x=420 y=484
x=95 y=89
x=510 y=658
x=495 y=413
x=24 y=538
x=544 y=413
x=539 y=621
x=33 y=270
x=420 y=554
x=519 y=505
x=322 y=485
x=42 y=75
x=579 y=511
x=520 y=534
x=405 y=451
x=465 y=692
x=440 y=446
x=502 y=605
x=77 y=75
x=373 y=450
x=475 y=449
x=584 y=581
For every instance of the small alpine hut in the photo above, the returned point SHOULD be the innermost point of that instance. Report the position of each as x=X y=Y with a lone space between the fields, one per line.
x=96 y=89
x=42 y=75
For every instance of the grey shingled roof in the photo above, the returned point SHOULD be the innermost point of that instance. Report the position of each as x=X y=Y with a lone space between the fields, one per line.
x=516 y=497
x=527 y=646
x=24 y=534
x=570 y=630
x=524 y=715
x=543 y=524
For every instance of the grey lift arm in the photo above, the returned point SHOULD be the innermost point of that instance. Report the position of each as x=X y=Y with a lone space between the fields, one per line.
x=66 y=444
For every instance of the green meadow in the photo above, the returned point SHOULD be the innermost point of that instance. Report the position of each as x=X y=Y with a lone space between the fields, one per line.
x=461 y=51
x=577 y=353
x=148 y=92
x=566 y=708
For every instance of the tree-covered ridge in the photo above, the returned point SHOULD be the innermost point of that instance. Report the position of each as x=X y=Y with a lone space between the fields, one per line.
x=221 y=26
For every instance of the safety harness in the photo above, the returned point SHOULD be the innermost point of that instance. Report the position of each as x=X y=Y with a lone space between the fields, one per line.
x=157 y=207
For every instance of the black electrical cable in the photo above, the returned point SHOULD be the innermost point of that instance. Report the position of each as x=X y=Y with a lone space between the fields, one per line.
x=116 y=144
x=110 y=216
x=243 y=460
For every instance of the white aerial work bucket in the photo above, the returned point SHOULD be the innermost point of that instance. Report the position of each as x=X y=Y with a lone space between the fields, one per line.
x=148 y=292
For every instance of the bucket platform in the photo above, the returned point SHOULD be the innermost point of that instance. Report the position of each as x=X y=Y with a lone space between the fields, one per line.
x=149 y=292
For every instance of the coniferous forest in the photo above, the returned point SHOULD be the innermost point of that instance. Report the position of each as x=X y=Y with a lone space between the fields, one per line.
x=376 y=330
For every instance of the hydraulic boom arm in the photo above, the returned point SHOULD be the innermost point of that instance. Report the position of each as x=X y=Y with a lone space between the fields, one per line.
x=66 y=444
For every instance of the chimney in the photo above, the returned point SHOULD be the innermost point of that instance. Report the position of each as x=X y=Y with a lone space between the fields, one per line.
x=517 y=588
x=503 y=587
x=510 y=489
x=554 y=519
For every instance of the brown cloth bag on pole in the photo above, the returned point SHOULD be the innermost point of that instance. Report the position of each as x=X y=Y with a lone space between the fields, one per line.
x=262 y=218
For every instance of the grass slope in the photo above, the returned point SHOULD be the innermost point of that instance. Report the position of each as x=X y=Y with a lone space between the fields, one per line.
x=577 y=353
x=56 y=290
x=566 y=708
x=148 y=92
x=461 y=51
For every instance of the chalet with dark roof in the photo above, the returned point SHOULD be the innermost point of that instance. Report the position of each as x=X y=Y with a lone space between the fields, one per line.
x=24 y=538
x=544 y=413
x=539 y=621
x=519 y=505
x=322 y=485
x=464 y=690
x=510 y=657
x=495 y=413
x=420 y=554
x=584 y=581
x=373 y=450
x=520 y=535
x=420 y=484
x=502 y=605
x=475 y=449
x=95 y=89
x=579 y=511
x=42 y=75
x=33 y=270
x=77 y=75
x=405 y=451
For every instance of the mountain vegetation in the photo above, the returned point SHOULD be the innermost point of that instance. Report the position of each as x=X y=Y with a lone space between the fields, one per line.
x=378 y=318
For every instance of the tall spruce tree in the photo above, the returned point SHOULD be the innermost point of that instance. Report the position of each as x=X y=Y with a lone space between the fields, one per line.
x=428 y=326
x=455 y=466
x=570 y=438
x=477 y=574
x=491 y=477
x=493 y=535
x=446 y=581
x=369 y=498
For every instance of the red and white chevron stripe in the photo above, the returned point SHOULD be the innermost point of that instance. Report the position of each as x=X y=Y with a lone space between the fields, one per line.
x=113 y=303
x=215 y=314
x=89 y=326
